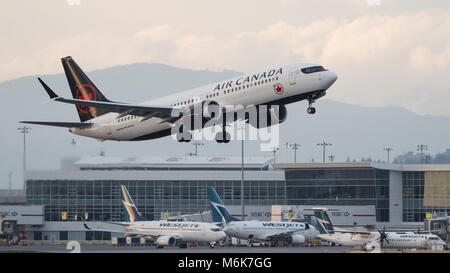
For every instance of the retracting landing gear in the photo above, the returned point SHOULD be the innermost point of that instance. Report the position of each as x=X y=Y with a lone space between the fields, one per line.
x=311 y=110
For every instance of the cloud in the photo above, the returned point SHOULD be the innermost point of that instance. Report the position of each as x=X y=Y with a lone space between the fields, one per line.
x=380 y=60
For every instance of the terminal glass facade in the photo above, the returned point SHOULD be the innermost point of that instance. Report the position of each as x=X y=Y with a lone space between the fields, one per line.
x=425 y=192
x=340 y=187
x=413 y=187
x=100 y=200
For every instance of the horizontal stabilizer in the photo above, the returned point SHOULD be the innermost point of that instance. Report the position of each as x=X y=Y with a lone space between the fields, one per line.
x=80 y=125
x=127 y=109
x=49 y=91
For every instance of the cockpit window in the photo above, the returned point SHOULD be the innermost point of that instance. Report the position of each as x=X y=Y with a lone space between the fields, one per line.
x=313 y=69
x=216 y=229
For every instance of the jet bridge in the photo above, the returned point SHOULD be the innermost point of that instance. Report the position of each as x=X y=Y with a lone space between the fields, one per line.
x=438 y=226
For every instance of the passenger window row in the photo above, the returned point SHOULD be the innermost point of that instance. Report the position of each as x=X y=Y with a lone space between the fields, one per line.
x=126 y=118
x=235 y=89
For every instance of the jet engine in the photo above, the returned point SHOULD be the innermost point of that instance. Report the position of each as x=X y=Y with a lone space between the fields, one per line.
x=371 y=246
x=267 y=115
x=297 y=239
x=165 y=241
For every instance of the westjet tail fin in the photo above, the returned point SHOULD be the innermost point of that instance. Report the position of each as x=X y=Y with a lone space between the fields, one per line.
x=129 y=208
x=323 y=221
x=219 y=212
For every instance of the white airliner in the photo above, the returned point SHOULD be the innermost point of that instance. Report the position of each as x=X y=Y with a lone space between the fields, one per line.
x=103 y=119
x=370 y=240
x=292 y=232
x=164 y=233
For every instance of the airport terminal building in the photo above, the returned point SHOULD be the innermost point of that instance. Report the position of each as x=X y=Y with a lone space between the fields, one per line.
x=396 y=196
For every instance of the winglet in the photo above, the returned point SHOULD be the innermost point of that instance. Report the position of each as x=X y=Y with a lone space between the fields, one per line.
x=48 y=89
x=86 y=226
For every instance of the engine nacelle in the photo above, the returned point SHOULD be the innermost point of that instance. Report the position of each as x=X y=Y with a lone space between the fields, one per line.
x=165 y=241
x=297 y=239
x=371 y=247
x=267 y=115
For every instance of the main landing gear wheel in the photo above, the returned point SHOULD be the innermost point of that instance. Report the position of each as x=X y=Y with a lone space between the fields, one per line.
x=311 y=110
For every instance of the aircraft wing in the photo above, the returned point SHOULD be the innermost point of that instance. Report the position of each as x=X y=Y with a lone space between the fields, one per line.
x=129 y=231
x=123 y=109
x=81 y=125
x=282 y=235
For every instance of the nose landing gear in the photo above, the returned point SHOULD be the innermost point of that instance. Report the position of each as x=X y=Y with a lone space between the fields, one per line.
x=311 y=110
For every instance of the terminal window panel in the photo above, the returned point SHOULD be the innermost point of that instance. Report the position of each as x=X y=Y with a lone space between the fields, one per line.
x=412 y=193
x=100 y=200
x=340 y=187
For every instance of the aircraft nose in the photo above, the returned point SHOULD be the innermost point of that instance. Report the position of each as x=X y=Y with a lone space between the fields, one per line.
x=227 y=229
x=221 y=236
x=332 y=77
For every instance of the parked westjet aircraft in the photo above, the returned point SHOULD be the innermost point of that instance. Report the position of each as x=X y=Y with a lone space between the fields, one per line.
x=292 y=232
x=163 y=233
x=103 y=119
x=369 y=240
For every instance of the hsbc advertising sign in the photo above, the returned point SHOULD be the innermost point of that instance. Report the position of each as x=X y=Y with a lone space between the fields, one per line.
x=260 y=213
x=23 y=215
x=339 y=215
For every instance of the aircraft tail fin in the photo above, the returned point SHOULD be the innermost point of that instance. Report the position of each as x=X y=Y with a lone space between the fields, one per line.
x=83 y=88
x=129 y=208
x=219 y=212
x=323 y=221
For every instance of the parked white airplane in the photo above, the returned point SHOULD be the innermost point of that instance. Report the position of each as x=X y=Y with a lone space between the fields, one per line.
x=164 y=233
x=107 y=120
x=369 y=240
x=292 y=232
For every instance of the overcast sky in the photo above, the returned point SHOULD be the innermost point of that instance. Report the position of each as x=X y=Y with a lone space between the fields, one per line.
x=386 y=52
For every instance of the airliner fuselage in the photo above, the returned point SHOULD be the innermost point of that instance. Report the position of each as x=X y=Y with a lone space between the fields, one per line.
x=107 y=120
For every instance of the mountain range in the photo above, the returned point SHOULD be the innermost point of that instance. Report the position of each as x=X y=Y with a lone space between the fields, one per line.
x=354 y=131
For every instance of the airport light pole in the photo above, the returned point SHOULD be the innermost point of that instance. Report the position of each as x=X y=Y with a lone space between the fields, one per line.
x=274 y=151
x=196 y=144
x=422 y=148
x=331 y=157
x=324 y=144
x=388 y=149
x=9 y=187
x=294 y=146
x=24 y=130
x=242 y=171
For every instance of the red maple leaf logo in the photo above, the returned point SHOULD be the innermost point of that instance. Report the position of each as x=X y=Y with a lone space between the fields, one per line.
x=278 y=88
x=88 y=94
